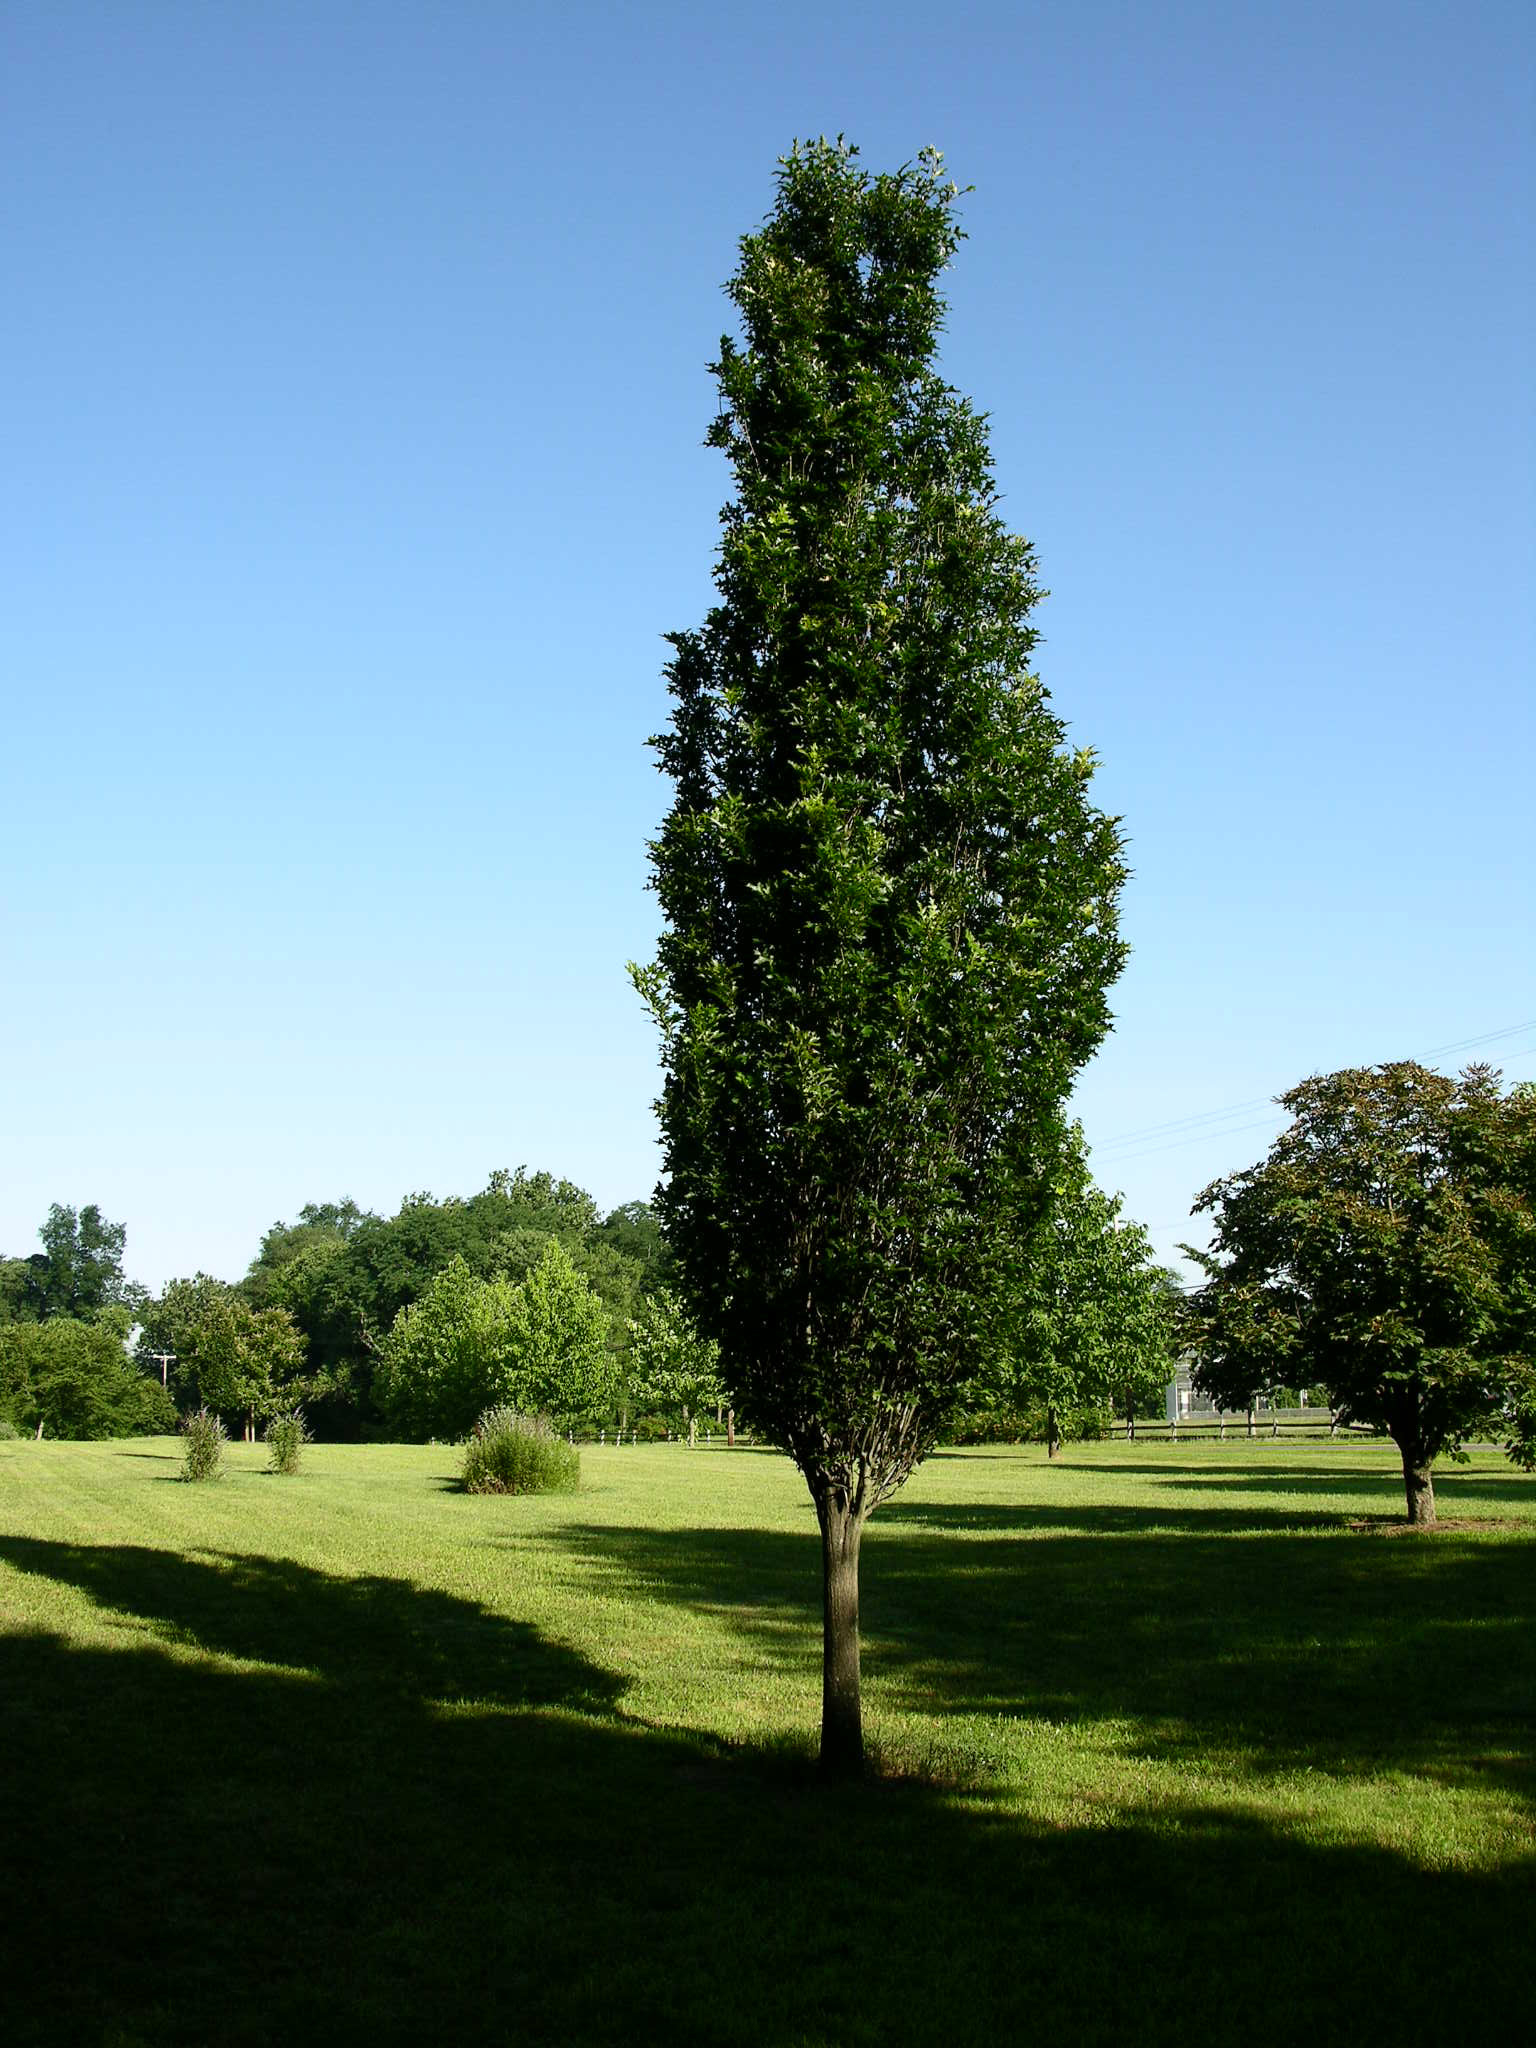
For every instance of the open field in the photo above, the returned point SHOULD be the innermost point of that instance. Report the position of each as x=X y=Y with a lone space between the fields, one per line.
x=1172 y=1742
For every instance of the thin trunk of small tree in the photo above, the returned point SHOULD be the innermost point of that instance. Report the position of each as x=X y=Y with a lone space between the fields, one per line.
x=1052 y=1434
x=730 y=1429
x=842 y=1725
x=1251 y=1413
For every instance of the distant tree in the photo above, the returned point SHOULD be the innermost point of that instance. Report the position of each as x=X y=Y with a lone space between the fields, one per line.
x=17 y=1303
x=76 y=1380
x=1386 y=1249
x=321 y=1231
x=1097 y=1328
x=78 y=1273
x=563 y=1365
x=889 y=905
x=346 y=1278
x=228 y=1356
x=468 y=1344
x=634 y=1231
x=674 y=1370
x=449 y=1355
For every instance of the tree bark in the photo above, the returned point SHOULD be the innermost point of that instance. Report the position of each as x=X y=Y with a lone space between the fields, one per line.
x=842 y=1726
x=1052 y=1434
x=730 y=1428
x=1419 y=1485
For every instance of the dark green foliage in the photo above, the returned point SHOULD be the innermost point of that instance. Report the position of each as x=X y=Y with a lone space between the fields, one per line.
x=78 y=1273
x=508 y=1452
x=890 y=906
x=346 y=1275
x=225 y=1354
x=634 y=1232
x=538 y=1344
x=1386 y=1250
x=76 y=1379
x=203 y=1440
x=285 y=1437
x=1097 y=1326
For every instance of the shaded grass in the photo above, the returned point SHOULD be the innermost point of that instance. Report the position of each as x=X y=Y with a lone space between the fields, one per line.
x=1168 y=1750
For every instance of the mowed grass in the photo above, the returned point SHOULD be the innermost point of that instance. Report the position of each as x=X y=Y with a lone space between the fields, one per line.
x=1172 y=1742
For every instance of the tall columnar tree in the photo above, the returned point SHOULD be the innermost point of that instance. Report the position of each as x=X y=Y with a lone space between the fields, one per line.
x=889 y=903
x=1386 y=1248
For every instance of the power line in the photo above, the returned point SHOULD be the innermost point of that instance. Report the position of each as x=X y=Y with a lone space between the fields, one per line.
x=1187 y=1130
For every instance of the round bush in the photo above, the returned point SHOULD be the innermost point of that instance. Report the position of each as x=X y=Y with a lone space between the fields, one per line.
x=511 y=1453
x=203 y=1442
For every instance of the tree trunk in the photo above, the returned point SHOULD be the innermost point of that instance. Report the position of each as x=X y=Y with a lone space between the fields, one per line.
x=730 y=1429
x=1250 y=1418
x=842 y=1727
x=692 y=1430
x=1419 y=1485
x=1052 y=1434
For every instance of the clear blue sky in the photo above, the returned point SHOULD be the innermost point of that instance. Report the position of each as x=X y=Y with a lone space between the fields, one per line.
x=353 y=386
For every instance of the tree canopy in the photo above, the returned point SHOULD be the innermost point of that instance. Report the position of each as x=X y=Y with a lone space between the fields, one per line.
x=1097 y=1320
x=537 y=1344
x=75 y=1379
x=345 y=1274
x=225 y=1355
x=890 y=907
x=1385 y=1249
x=78 y=1273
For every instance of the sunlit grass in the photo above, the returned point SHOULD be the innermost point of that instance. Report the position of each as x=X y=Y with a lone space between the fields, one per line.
x=1142 y=1701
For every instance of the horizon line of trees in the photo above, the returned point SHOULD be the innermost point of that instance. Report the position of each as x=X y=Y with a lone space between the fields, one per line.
x=407 y=1326
x=1383 y=1256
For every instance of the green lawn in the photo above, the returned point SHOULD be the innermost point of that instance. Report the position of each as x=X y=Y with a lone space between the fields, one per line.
x=1174 y=1742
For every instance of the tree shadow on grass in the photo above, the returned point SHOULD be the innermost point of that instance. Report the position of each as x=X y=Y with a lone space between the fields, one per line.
x=1452 y=1481
x=1282 y=1653
x=378 y=1634
x=202 y=1853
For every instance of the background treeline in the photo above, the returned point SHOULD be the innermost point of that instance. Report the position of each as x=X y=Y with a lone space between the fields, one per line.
x=342 y=1279
x=66 y=1317
x=406 y=1326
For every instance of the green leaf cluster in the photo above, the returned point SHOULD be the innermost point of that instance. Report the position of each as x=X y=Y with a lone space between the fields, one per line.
x=538 y=1344
x=674 y=1369
x=345 y=1274
x=78 y=1273
x=76 y=1379
x=225 y=1355
x=1097 y=1328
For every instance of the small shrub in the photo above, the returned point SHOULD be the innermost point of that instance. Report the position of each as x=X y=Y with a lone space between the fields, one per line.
x=203 y=1444
x=285 y=1437
x=511 y=1453
x=8 y=1430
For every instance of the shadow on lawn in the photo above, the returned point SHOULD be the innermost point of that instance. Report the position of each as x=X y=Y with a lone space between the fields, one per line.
x=1336 y=1653
x=1453 y=1482
x=320 y=1851
x=383 y=1635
